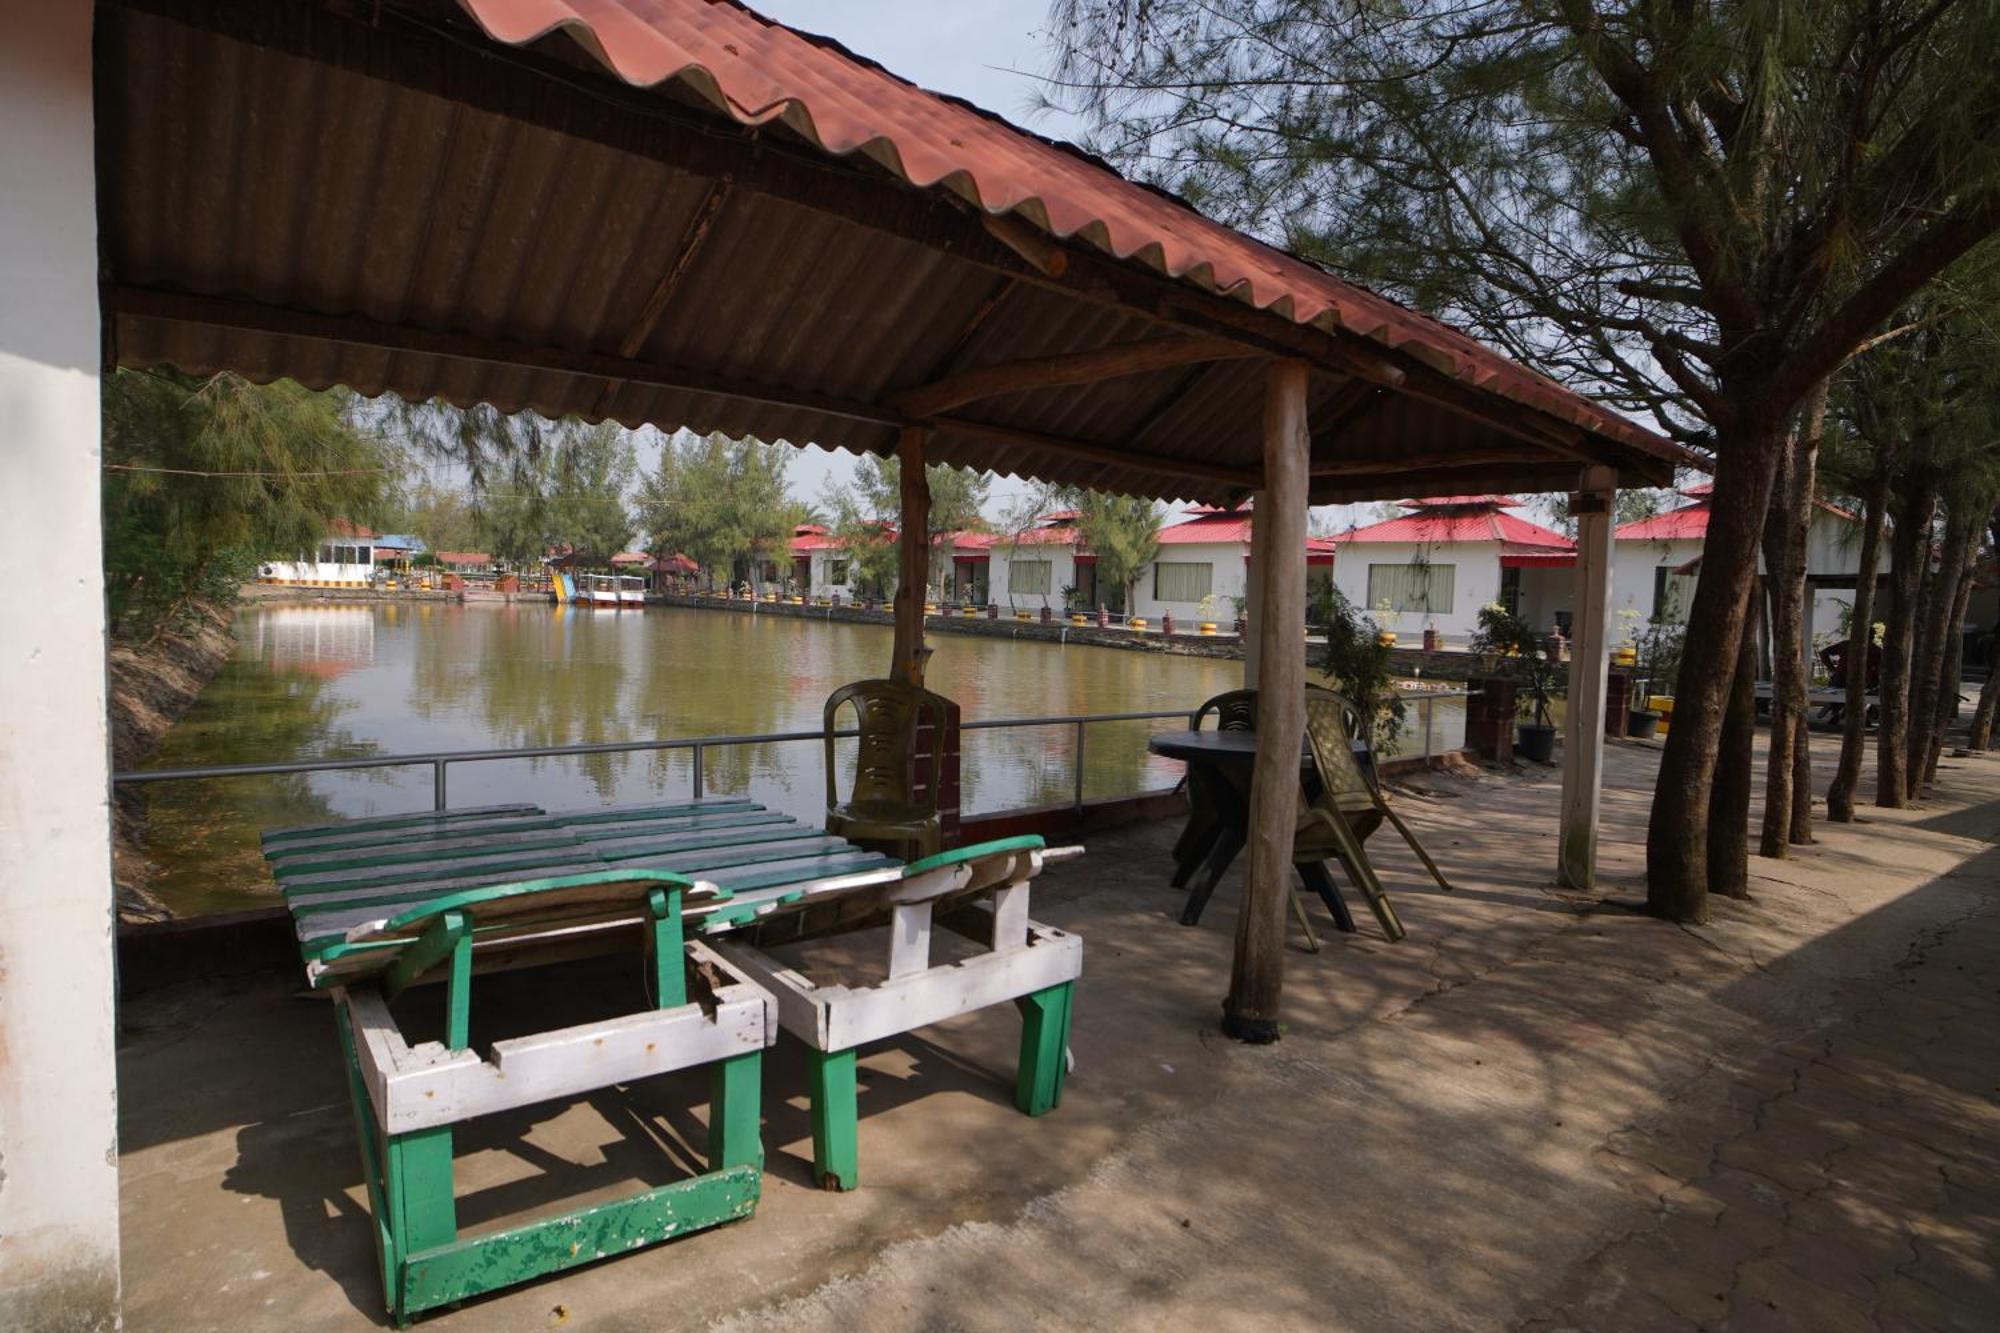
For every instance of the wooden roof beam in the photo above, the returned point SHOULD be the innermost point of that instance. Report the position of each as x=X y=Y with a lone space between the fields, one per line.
x=1050 y=372
x=1248 y=479
x=231 y=313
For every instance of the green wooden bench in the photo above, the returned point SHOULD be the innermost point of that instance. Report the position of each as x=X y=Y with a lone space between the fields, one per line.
x=701 y=889
x=380 y=905
x=790 y=881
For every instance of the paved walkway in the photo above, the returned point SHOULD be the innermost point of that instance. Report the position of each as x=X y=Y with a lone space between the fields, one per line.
x=1540 y=1111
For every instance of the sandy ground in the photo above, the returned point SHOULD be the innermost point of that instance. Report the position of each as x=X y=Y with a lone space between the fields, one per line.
x=1541 y=1110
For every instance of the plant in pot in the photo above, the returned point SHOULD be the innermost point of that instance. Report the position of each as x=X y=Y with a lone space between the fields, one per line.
x=1658 y=649
x=1385 y=622
x=1357 y=662
x=1205 y=613
x=1505 y=634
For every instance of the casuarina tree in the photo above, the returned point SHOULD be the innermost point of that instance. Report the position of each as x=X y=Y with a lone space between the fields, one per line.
x=1696 y=209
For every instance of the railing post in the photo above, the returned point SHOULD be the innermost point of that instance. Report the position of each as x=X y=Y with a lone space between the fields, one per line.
x=697 y=770
x=1430 y=713
x=1079 y=767
x=438 y=801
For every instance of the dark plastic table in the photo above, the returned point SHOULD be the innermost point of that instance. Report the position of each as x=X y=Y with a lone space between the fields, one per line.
x=1218 y=770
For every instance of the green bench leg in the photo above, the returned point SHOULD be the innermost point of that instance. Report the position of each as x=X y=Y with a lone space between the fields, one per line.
x=422 y=1214
x=735 y=1130
x=387 y=1258
x=1044 y=1047
x=836 y=1156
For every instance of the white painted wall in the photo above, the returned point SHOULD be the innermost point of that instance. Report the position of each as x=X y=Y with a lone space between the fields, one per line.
x=999 y=581
x=1229 y=578
x=58 y=1075
x=1632 y=578
x=1475 y=582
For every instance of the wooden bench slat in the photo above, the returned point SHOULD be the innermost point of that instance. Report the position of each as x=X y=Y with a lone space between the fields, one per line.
x=557 y=900
x=414 y=852
x=503 y=866
x=398 y=821
x=380 y=837
x=619 y=814
x=686 y=824
x=738 y=879
x=706 y=859
x=692 y=844
x=698 y=838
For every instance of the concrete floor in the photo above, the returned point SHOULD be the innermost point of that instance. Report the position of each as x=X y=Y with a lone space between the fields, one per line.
x=1538 y=1111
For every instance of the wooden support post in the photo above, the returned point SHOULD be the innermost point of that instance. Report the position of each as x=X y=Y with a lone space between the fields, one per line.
x=1589 y=659
x=1250 y=1013
x=914 y=568
x=1252 y=572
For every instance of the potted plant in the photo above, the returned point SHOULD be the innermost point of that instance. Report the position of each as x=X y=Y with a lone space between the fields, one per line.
x=1205 y=614
x=1505 y=634
x=1385 y=623
x=1358 y=663
x=1658 y=653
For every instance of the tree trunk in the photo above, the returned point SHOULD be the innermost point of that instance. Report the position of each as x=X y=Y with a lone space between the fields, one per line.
x=1677 y=856
x=1951 y=665
x=1989 y=703
x=1735 y=776
x=1860 y=644
x=1802 y=784
x=1908 y=542
x=1785 y=529
x=1927 y=672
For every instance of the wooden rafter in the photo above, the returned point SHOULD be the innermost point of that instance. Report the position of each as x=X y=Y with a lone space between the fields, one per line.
x=1049 y=372
x=1154 y=464
x=514 y=84
x=230 y=313
x=692 y=240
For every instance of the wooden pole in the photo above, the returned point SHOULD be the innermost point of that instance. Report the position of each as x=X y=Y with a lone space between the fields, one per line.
x=1252 y=572
x=1589 y=660
x=1250 y=1013
x=913 y=541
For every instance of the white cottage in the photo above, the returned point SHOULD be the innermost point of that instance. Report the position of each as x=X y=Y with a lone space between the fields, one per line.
x=1202 y=569
x=1028 y=570
x=1656 y=561
x=1434 y=566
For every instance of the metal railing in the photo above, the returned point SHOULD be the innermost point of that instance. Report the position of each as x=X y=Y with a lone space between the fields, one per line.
x=440 y=761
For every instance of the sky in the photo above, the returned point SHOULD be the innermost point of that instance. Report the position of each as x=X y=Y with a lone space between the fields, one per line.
x=985 y=51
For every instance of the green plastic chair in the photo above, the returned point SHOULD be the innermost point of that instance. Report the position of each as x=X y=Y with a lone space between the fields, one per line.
x=1348 y=807
x=881 y=806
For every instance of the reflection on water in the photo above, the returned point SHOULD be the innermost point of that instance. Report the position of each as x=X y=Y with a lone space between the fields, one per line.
x=313 y=681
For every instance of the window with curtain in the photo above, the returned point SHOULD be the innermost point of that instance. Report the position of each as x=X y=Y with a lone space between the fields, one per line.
x=1425 y=589
x=837 y=571
x=1182 y=581
x=1029 y=577
x=1672 y=594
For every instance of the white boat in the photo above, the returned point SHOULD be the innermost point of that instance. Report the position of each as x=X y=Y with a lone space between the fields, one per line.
x=612 y=592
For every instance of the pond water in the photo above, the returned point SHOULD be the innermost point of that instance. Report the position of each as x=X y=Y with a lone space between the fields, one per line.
x=327 y=681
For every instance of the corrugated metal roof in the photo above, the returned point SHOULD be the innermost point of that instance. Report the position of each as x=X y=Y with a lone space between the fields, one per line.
x=1462 y=502
x=1208 y=525
x=760 y=71
x=1688 y=523
x=1438 y=527
x=699 y=218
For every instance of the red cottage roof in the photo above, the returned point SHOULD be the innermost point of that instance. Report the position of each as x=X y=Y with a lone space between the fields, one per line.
x=1461 y=502
x=1206 y=525
x=631 y=558
x=1437 y=527
x=340 y=527
x=676 y=564
x=757 y=71
x=464 y=558
x=1686 y=524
